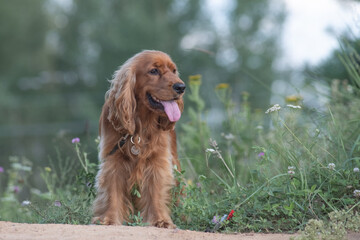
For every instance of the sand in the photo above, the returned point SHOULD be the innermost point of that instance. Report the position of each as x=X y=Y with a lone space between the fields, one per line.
x=24 y=231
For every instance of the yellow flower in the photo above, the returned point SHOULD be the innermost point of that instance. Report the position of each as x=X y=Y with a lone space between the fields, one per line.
x=293 y=98
x=47 y=169
x=222 y=86
x=189 y=182
x=195 y=79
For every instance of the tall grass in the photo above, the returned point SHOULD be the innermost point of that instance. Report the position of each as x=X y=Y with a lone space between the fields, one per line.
x=276 y=169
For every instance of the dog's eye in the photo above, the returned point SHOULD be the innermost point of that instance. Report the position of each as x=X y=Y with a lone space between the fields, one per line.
x=174 y=71
x=154 y=71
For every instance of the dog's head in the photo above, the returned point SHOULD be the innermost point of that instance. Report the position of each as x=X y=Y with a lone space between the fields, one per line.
x=147 y=84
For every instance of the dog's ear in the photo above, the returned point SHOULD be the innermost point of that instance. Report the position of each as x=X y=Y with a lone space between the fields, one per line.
x=121 y=97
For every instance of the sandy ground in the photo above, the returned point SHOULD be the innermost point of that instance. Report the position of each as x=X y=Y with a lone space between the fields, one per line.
x=23 y=231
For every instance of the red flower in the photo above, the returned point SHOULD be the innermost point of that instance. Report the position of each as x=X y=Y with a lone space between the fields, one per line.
x=230 y=215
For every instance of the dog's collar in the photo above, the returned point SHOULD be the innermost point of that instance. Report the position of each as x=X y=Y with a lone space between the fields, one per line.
x=119 y=144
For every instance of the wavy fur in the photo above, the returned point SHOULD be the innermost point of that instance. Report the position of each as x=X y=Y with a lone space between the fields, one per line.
x=127 y=110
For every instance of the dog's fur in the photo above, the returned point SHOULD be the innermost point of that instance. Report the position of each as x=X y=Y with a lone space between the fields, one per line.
x=127 y=110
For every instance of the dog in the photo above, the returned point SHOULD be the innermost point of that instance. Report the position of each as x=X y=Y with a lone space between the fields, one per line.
x=138 y=141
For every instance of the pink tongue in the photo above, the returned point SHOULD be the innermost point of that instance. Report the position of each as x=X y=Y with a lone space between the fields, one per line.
x=172 y=110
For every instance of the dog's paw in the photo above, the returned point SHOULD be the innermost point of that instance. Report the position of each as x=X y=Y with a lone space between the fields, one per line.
x=103 y=221
x=164 y=224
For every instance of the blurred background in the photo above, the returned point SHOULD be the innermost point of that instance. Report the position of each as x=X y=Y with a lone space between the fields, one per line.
x=56 y=57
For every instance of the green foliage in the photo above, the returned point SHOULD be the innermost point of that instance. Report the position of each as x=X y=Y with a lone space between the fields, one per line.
x=136 y=220
x=57 y=57
x=291 y=168
x=196 y=132
x=69 y=195
x=302 y=165
x=335 y=227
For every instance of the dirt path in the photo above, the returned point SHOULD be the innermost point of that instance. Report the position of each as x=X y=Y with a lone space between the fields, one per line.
x=23 y=231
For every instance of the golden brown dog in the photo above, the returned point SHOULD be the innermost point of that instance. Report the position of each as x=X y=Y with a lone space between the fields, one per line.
x=138 y=141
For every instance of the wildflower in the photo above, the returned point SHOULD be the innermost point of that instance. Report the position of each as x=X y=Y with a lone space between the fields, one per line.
x=230 y=214
x=229 y=136
x=210 y=150
x=189 y=182
x=331 y=166
x=47 y=169
x=356 y=169
x=195 y=80
x=222 y=86
x=1 y=169
x=293 y=106
x=16 y=189
x=198 y=185
x=57 y=203
x=213 y=142
x=356 y=193
x=75 y=140
x=25 y=203
x=274 y=108
x=259 y=127
x=291 y=172
x=261 y=154
x=215 y=219
x=293 y=98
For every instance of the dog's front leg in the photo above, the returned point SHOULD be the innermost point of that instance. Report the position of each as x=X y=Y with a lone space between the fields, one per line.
x=155 y=194
x=112 y=204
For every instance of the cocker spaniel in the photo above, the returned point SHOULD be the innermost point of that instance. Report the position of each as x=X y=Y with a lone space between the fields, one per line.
x=138 y=141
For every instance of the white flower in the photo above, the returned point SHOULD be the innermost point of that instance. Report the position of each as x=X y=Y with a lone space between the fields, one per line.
x=210 y=150
x=292 y=168
x=356 y=169
x=331 y=166
x=259 y=127
x=229 y=136
x=25 y=203
x=274 y=108
x=293 y=106
x=291 y=172
x=356 y=193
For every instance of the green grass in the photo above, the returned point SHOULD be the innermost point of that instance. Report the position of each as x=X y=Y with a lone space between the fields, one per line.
x=286 y=170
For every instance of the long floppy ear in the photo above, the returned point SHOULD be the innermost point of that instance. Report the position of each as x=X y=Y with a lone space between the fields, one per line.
x=121 y=99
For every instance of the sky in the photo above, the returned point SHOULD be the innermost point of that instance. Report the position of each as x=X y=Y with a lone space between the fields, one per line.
x=312 y=27
x=310 y=30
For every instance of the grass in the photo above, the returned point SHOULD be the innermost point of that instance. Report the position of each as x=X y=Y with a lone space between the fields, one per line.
x=292 y=168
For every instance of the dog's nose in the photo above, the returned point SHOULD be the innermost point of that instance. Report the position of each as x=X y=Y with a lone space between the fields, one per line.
x=179 y=87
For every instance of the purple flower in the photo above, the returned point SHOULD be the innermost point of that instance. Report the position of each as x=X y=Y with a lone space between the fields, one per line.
x=16 y=189
x=261 y=154
x=75 y=140
x=215 y=219
x=198 y=185
x=57 y=203
x=1 y=169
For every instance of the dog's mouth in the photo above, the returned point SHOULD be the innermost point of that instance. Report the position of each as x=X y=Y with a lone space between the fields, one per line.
x=170 y=107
